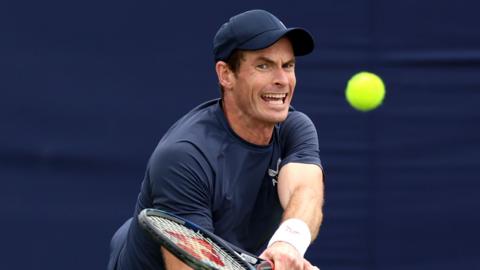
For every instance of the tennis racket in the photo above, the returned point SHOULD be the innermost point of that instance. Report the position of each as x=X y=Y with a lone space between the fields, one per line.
x=195 y=246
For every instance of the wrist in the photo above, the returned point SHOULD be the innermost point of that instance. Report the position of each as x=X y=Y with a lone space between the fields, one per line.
x=294 y=232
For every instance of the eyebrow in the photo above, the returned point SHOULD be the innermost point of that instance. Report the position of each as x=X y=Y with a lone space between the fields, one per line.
x=270 y=61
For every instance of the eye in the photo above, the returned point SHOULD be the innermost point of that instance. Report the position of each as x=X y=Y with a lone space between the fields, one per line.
x=290 y=65
x=262 y=66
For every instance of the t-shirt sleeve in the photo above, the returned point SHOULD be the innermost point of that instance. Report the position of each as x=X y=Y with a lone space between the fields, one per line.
x=299 y=140
x=179 y=179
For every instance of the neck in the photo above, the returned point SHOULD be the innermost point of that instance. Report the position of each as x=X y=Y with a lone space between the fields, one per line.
x=247 y=128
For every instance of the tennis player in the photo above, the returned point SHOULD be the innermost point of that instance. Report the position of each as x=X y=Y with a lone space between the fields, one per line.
x=245 y=166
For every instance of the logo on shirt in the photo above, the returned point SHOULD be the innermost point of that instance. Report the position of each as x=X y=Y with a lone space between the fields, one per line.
x=274 y=173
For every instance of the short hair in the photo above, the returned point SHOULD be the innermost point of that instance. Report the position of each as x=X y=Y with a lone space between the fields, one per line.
x=233 y=62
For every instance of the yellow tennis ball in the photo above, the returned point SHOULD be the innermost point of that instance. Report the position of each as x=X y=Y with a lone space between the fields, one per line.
x=365 y=91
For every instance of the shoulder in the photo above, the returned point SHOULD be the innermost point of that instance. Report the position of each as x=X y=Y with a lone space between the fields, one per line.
x=197 y=129
x=174 y=151
x=179 y=165
x=204 y=113
x=202 y=117
x=297 y=122
x=298 y=118
x=298 y=139
x=181 y=154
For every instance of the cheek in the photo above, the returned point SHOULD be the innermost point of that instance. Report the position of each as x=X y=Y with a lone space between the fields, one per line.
x=253 y=85
x=293 y=82
x=245 y=93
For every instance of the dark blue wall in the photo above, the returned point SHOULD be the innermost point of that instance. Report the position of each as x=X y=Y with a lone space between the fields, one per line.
x=87 y=88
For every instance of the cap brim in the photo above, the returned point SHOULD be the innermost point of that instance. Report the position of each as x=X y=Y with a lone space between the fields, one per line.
x=301 y=39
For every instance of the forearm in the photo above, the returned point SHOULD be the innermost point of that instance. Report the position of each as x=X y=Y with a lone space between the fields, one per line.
x=300 y=190
x=306 y=204
x=301 y=193
x=173 y=263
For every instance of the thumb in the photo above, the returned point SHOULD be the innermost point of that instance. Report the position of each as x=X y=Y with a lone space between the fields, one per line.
x=264 y=255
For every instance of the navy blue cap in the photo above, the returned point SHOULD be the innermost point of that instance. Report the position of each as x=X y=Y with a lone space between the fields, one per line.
x=256 y=30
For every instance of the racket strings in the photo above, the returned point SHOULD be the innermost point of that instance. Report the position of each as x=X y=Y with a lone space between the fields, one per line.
x=197 y=245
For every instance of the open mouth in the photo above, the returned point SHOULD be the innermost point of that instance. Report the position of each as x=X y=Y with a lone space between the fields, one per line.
x=277 y=99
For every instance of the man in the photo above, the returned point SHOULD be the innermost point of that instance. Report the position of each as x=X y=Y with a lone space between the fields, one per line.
x=245 y=166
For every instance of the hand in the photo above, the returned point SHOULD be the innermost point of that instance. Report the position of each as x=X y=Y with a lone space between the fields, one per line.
x=285 y=257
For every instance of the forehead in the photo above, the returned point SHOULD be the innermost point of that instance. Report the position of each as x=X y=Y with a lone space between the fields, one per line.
x=280 y=50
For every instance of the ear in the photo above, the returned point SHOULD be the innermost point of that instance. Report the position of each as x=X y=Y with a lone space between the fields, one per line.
x=225 y=75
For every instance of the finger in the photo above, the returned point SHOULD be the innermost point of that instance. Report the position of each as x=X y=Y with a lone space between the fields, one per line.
x=265 y=265
x=281 y=264
x=270 y=259
x=266 y=255
x=276 y=265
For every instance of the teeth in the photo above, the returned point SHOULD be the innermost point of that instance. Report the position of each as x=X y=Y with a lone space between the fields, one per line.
x=275 y=95
x=275 y=98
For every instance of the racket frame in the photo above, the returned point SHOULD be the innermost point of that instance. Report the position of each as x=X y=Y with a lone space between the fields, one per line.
x=243 y=258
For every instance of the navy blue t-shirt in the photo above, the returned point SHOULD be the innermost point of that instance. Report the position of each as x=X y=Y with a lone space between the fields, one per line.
x=202 y=171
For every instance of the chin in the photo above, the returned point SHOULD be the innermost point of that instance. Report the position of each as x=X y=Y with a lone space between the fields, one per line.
x=278 y=118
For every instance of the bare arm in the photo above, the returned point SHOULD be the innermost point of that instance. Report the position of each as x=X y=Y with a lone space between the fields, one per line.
x=172 y=263
x=300 y=189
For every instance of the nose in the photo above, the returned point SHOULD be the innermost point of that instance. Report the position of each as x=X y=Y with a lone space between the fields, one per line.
x=281 y=77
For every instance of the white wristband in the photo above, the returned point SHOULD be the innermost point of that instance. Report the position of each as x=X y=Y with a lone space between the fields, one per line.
x=295 y=232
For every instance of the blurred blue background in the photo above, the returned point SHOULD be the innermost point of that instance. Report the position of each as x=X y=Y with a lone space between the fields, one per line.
x=88 y=88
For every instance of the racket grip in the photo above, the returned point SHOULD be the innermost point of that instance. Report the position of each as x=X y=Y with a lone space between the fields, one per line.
x=265 y=265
